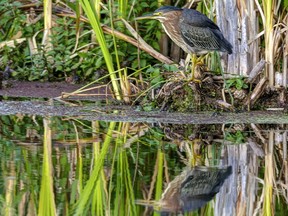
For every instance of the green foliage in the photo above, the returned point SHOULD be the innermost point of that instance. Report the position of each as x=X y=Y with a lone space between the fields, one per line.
x=87 y=63
x=58 y=63
x=238 y=137
x=38 y=68
x=170 y=68
x=285 y=4
x=155 y=73
x=16 y=127
x=12 y=19
x=155 y=76
x=238 y=83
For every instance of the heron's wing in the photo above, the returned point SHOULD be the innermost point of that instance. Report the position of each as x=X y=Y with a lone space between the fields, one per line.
x=201 y=33
x=200 y=38
x=197 y=19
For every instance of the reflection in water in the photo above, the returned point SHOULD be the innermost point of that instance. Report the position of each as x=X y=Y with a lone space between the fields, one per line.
x=47 y=204
x=192 y=189
x=70 y=174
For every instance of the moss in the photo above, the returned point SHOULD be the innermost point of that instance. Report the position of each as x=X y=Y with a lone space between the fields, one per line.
x=185 y=99
x=179 y=96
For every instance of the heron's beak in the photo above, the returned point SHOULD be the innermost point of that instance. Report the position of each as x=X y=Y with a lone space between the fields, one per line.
x=147 y=16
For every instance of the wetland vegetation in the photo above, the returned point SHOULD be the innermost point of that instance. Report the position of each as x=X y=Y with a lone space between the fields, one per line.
x=116 y=138
x=101 y=43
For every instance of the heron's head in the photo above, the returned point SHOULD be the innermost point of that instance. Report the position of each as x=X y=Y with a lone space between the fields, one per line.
x=162 y=14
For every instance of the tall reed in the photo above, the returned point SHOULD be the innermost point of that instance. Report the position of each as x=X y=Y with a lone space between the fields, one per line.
x=268 y=8
x=93 y=17
x=47 y=7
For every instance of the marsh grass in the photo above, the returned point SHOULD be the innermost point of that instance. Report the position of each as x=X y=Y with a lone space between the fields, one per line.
x=262 y=28
x=47 y=13
x=262 y=35
x=95 y=23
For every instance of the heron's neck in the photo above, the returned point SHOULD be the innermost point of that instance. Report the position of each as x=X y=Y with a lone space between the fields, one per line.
x=173 y=31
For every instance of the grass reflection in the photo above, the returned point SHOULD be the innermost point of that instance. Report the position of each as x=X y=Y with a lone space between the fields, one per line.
x=89 y=189
x=100 y=168
x=46 y=199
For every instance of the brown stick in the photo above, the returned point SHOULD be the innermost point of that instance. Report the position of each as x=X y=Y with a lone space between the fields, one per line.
x=257 y=92
x=140 y=43
x=256 y=71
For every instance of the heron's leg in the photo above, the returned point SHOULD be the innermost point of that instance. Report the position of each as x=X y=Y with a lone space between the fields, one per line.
x=187 y=62
x=200 y=59
x=194 y=62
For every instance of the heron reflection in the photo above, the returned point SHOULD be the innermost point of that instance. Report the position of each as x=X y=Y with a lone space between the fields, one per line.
x=191 y=190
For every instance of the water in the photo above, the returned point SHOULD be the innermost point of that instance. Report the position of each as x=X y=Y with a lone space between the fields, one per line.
x=66 y=165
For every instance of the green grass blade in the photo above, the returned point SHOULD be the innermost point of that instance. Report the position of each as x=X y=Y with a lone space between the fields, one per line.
x=95 y=23
x=46 y=201
x=85 y=197
x=159 y=181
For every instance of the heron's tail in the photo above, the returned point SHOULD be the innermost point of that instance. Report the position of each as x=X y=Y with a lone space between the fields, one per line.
x=226 y=46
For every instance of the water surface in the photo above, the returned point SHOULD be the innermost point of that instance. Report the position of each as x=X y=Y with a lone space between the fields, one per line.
x=63 y=166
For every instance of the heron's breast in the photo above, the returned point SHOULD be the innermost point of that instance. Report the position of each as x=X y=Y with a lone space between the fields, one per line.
x=173 y=31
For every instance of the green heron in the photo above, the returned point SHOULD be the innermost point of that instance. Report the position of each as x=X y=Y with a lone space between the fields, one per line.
x=191 y=30
x=191 y=189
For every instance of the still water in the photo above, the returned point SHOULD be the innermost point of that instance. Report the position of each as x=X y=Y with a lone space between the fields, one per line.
x=67 y=166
